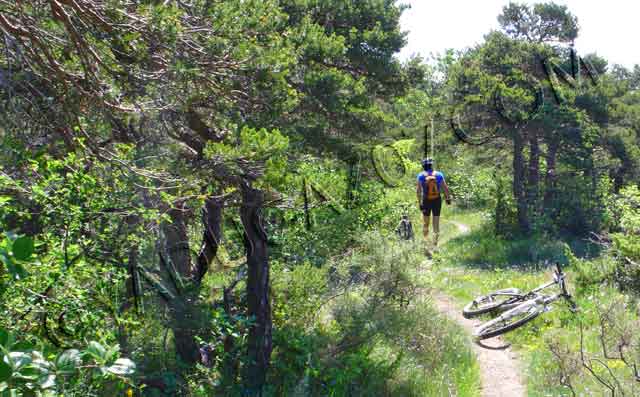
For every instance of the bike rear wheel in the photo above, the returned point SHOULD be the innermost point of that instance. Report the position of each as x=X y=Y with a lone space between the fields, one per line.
x=508 y=321
x=491 y=302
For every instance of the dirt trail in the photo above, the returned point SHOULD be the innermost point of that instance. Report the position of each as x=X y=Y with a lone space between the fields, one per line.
x=499 y=369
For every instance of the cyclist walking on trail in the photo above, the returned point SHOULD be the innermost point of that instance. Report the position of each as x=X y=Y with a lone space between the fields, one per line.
x=430 y=185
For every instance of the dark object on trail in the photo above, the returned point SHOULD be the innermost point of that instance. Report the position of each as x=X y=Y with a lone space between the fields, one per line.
x=404 y=229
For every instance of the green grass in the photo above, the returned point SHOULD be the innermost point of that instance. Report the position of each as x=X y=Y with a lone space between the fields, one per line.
x=445 y=364
x=478 y=262
x=416 y=351
x=448 y=367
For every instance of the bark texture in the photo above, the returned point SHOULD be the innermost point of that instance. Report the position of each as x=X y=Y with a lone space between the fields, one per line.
x=518 y=182
x=550 y=177
x=533 y=177
x=188 y=276
x=259 y=307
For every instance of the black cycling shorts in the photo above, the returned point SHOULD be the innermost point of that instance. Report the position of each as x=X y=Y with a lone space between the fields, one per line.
x=434 y=206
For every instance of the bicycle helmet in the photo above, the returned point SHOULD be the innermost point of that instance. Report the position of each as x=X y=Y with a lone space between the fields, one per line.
x=427 y=164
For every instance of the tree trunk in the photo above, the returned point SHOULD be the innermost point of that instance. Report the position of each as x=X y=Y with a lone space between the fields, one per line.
x=259 y=343
x=518 y=182
x=132 y=297
x=184 y=321
x=534 y=173
x=212 y=224
x=177 y=243
x=179 y=258
x=550 y=177
x=184 y=327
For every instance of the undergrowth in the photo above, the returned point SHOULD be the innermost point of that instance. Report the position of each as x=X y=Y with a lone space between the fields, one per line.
x=372 y=330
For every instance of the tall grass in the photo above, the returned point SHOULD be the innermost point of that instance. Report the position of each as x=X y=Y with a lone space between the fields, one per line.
x=379 y=335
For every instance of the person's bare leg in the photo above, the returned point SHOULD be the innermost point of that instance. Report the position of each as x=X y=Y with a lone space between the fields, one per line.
x=436 y=229
x=425 y=227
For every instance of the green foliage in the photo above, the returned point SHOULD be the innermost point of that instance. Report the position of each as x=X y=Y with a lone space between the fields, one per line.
x=580 y=203
x=619 y=266
x=473 y=186
x=626 y=239
x=262 y=147
x=542 y=22
x=26 y=370
x=13 y=253
x=368 y=331
x=299 y=294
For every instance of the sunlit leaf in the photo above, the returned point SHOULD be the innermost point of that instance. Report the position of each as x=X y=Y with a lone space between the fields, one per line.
x=47 y=381
x=19 y=359
x=122 y=366
x=96 y=350
x=68 y=360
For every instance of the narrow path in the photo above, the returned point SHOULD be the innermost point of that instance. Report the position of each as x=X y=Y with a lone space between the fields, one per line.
x=499 y=367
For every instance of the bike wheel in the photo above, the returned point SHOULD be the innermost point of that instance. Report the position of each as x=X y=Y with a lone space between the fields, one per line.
x=508 y=321
x=491 y=302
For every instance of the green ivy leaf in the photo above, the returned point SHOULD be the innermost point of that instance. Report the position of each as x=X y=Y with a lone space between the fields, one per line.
x=5 y=370
x=6 y=392
x=16 y=270
x=67 y=361
x=22 y=346
x=19 y=360
x=96 y=350
x=28 y=373
x=47 y=381
x=112 y=353
x=23 y=248
x=4 y=338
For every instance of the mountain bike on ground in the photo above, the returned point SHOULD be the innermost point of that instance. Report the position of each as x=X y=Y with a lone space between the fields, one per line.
x=518 y=308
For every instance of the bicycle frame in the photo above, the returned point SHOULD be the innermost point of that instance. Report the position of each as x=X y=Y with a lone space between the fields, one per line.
x=539 y=302
x=556 y=280
x=527 y=306
x=518 y=297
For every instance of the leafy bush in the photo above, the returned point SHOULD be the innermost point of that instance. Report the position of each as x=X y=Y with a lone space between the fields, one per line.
x=357 y=326
x=626 y=240
x=472 y=187
x=98 y=369
x=598 y=354
x=35 y=366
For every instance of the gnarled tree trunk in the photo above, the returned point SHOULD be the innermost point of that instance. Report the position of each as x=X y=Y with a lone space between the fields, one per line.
x=259 y=308
x=550 y=177
x=184 y=321
x=534 y=173
x=518 y=181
